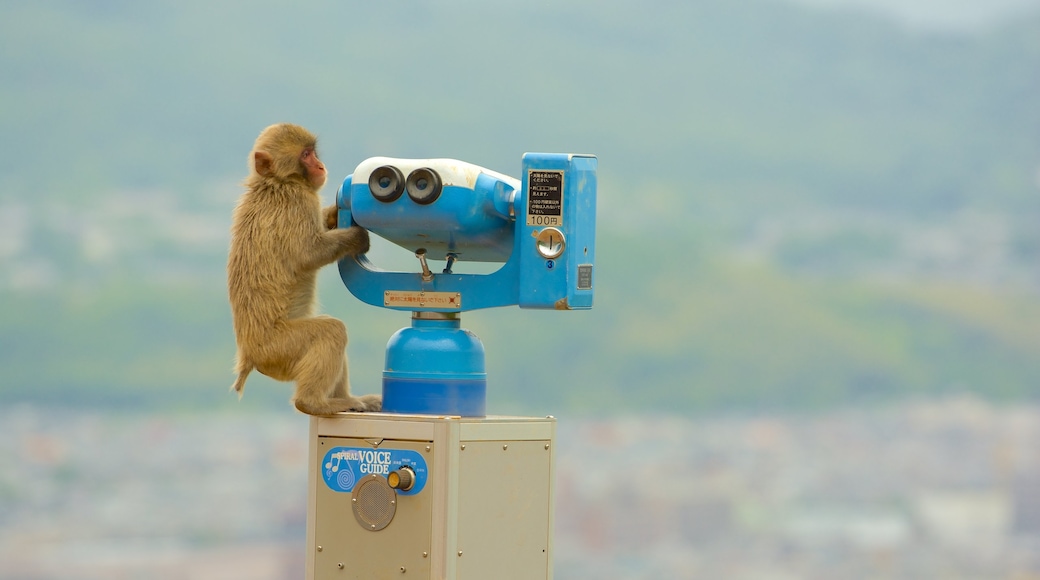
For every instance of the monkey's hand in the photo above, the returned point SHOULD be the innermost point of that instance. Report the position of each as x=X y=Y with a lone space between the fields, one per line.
x=352 y=241
x=331 y=215
x=361 y=240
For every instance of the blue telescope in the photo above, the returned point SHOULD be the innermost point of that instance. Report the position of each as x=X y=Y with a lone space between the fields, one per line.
x=541 y=228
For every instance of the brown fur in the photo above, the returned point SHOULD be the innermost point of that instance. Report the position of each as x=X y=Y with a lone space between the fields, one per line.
x=280 y=237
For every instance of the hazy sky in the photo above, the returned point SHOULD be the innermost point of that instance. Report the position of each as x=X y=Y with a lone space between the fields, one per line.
x=940 y=14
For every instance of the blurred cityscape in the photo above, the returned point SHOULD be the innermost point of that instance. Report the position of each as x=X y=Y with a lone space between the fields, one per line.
x=943 y=489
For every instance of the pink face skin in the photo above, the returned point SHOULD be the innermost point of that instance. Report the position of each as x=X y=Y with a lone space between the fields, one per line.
x=316 y=172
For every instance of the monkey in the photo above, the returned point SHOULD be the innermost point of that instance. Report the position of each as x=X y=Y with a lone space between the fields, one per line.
x=280 y=237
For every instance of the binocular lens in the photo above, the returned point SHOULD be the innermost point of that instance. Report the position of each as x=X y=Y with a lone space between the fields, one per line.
x=423 y=186
x=386 y=183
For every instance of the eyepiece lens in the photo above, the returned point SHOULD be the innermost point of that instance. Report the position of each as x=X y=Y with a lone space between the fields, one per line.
x=386 y=183
x=423 y=186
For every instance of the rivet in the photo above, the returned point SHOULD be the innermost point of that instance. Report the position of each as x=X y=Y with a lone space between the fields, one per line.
x=463 y=446
x=340 y=565
x=504 y=447
x=403 y=569
x=427 y=447
x=353 y=499
x=425 y=554
x=460 y=553
x=320 y=548
x=547 y=446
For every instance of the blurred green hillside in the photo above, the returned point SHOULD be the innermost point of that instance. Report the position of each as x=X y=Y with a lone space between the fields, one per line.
x=798 y=208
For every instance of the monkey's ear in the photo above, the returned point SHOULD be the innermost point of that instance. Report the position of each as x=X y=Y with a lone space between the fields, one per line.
x=262 y=162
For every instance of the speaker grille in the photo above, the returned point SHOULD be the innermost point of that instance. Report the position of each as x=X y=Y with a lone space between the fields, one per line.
x=374 y=503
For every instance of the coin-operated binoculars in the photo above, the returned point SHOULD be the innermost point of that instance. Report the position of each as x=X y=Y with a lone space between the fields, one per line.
x=542 y=228
x=438 y=488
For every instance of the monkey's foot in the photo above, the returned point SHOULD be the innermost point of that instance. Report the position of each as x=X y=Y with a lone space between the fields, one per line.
x=333 y=405
x=372 y=403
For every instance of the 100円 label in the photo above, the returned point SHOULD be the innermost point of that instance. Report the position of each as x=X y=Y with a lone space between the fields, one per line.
x=544 y=197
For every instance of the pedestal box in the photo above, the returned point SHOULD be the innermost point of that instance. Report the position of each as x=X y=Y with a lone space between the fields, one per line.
x=430 y=497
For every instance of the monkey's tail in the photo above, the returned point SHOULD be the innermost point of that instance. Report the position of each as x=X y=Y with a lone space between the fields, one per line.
x=240 y=382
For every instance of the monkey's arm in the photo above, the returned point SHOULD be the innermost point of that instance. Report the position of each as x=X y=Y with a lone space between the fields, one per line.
x=334 y=245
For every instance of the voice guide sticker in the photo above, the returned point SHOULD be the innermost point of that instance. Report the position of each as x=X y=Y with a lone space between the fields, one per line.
x=343 y=467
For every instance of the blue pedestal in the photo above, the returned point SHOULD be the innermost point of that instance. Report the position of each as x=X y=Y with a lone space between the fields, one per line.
x=435 y=367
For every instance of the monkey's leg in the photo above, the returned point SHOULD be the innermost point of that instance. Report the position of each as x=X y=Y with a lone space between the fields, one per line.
x=321 y=365
x=342 y=390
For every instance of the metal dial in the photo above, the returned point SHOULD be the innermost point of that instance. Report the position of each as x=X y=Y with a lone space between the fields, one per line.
x=550 y=243
x=402 y=479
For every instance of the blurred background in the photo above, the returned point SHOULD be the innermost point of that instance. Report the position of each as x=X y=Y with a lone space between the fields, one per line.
x=818 y=275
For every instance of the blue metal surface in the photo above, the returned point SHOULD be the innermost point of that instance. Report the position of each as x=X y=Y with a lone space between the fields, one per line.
x=483 y=219
x=435 y=367
x=435 y=397
x=554 y=283
x=455 y=223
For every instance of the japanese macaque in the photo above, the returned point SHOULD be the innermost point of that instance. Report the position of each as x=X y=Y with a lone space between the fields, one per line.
x=280 y=237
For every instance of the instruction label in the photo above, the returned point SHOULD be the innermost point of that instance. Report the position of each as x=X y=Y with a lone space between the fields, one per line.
x=411 y=299
x=544 y=197
x=343 y=467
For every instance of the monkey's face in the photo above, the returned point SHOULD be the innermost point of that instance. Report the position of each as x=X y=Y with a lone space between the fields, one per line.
x=287 y=152
x=313 y=168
